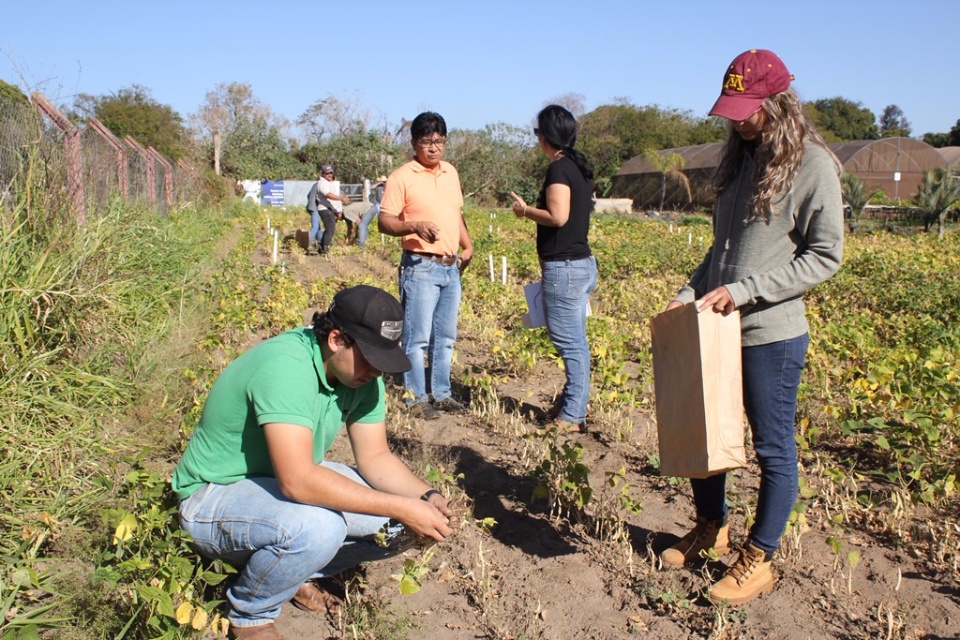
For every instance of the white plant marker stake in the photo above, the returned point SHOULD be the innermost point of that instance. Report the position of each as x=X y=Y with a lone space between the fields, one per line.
x=490 y=256
x=689 y=237
x=276 y=242
x=504 y=262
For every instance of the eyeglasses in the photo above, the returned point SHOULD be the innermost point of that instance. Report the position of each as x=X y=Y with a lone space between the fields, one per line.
x=425 y=143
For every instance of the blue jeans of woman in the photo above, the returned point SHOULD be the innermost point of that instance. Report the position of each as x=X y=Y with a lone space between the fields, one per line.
x=771 y=377
x=279 y=543
x=430 y=294
x=566 y=286
x=364 y=222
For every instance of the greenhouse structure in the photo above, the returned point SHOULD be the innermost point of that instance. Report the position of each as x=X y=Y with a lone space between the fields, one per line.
x=894 y=165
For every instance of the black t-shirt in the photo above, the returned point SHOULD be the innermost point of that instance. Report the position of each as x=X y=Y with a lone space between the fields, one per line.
x=568 y=242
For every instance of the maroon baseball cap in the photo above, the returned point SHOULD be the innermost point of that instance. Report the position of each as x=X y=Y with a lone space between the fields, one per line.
x=752 y=77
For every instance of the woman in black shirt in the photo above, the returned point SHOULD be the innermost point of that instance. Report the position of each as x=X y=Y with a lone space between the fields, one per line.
x=569 y=270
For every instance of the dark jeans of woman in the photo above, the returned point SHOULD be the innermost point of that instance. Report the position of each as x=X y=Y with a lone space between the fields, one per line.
x=771 y=377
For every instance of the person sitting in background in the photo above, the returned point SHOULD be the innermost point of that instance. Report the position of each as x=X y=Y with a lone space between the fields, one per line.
x=253 y=484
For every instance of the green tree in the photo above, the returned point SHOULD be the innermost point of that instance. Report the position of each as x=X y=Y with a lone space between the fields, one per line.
x=334 y=117
x=670 y=165
x=241 y=136
x=257 y=150
x=843 y=119
x=612 y=134
x=133 y=112
x=366 y=154
x=893 y=123
x=936 y=193
x=954 y=139
x=233 y=108
x=493 y=161
x=10 y=94
x=937 y=140
x=949 y=139
x=855 y=196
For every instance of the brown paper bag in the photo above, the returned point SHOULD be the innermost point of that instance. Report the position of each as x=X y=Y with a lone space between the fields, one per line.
x=698 y=385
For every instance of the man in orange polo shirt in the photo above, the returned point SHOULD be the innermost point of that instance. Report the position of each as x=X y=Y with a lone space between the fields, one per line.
x=423 y=204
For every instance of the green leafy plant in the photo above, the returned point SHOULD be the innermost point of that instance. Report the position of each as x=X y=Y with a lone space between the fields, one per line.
x=410 y=579
x=562 y=476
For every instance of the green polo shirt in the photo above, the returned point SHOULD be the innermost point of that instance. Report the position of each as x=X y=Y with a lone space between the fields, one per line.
x=279 y=380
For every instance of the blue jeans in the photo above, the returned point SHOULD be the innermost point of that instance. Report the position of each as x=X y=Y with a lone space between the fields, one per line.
x=314 y=228
x=566 y=286
x=771 y=377
x=430 y=294
x=364 y=222
x=279 y=543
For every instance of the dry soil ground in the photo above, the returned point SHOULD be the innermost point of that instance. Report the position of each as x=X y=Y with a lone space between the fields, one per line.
x=533 y=576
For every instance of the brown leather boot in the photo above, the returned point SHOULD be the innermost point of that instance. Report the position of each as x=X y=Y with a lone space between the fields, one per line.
x=313 y=597
x=705 y=535
x=749 y=577
x=260 y=632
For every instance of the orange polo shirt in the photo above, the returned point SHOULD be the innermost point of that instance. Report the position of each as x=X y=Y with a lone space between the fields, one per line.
x=416 y=193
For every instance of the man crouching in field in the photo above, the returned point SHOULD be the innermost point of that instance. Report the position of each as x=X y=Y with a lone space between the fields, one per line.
x=254 y=488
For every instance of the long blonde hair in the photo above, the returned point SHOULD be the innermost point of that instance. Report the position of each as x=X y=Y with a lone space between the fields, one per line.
x=778 y=155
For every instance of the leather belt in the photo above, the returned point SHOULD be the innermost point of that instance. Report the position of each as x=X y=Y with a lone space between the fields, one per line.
x=445 y=260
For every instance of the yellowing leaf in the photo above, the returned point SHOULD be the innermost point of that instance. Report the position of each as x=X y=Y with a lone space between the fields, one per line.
x=199 y=619
x=183 y=613
x=408 y=586
x=125 y=529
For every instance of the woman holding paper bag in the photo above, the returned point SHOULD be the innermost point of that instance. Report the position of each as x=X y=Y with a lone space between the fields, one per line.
x=778 y=231
x=569 y=270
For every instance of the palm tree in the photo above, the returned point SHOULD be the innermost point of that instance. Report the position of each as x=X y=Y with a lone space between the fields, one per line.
x=855 y=197
x=670 y=165
x=936 y=193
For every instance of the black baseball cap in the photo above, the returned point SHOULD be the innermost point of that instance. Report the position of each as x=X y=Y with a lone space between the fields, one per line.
x=373 y=319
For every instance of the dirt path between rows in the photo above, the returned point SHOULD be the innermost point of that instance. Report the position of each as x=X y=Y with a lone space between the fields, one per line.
x=533 y=576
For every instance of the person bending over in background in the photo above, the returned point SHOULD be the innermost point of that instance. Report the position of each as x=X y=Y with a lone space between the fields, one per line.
x=423 y=204
x=568 y=268
x=778 y=231
x=376 y=196
x=253 y=484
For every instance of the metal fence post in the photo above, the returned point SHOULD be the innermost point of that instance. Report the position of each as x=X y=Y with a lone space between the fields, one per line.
x=71 y=150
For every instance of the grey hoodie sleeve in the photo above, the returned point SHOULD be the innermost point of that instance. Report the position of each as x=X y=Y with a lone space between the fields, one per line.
x=814 y=207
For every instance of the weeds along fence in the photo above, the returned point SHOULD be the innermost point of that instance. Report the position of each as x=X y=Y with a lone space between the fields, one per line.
x=57 y=165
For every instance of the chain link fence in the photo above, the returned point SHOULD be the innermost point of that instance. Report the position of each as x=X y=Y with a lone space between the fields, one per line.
x=70 y=169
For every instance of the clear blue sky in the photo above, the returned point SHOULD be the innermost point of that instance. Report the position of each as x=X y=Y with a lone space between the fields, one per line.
x=483 y=62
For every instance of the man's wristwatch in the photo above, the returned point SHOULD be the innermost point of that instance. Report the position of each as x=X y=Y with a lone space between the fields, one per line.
x=429 y=492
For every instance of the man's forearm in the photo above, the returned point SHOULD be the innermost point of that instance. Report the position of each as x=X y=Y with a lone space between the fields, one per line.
x=389 y=474
x=392 y=225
